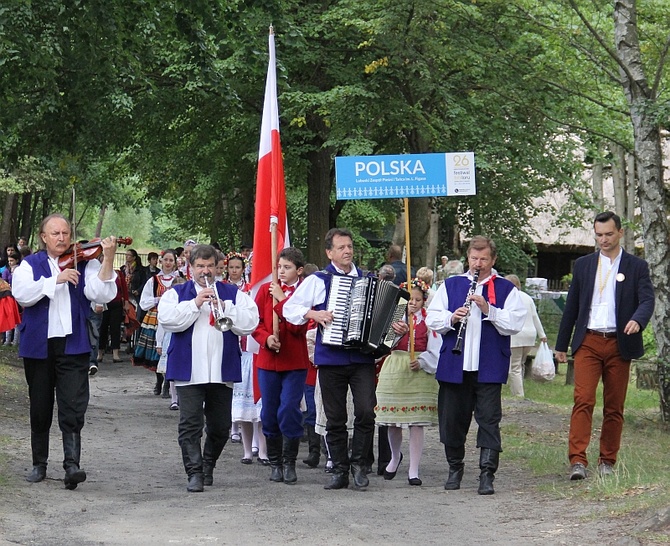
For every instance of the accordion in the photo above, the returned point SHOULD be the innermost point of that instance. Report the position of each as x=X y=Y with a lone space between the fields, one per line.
x=364 y=308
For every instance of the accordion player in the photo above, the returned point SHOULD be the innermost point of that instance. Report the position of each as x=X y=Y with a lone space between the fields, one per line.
x=364 y=309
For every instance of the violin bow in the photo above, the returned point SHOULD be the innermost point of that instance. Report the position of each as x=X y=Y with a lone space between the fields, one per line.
x=74 y=230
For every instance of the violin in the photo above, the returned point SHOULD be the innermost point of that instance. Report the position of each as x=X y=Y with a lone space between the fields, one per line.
x=83 y=252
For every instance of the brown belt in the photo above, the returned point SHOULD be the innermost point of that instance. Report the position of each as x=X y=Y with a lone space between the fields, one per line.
x=601 y=334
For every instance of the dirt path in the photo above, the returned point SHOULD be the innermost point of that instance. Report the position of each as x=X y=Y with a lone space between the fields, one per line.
x=136 y=491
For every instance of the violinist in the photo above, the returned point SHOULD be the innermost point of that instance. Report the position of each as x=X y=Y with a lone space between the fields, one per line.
x=54 y=339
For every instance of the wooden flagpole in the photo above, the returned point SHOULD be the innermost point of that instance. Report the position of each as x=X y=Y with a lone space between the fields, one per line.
x=410 y=319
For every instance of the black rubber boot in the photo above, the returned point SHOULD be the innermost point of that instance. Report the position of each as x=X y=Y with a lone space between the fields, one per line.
x=275 y=448
x=488 y=464
x=39 y=443
x=314 y=443
x=455 y=456
x=192 y=457
x=72 y=453
x=289 y=455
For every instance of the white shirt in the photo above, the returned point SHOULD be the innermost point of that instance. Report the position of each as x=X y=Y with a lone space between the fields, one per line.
x=147 y=299
x=428 y=359
x=310 y=293
x=28 y=292
x=532 y=326
x=603 y=304
x=207 y=341
x=507 y=320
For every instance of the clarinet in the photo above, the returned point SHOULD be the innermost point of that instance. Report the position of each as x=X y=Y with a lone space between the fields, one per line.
x=458 y=348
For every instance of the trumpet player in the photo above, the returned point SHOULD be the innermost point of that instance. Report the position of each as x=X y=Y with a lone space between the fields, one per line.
x=471 y=380
x=206 y=318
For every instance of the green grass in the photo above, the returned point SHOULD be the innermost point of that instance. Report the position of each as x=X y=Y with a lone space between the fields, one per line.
x=538 y=439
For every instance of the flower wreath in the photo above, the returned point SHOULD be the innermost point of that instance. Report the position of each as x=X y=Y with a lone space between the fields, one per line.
x=417 y=283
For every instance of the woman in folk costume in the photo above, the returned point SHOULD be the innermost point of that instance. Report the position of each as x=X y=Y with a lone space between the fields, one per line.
x=145 y=349
x=407 y=389
x=245 y=413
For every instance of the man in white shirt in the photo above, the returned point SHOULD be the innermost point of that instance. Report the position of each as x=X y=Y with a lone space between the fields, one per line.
x=54 y=339
x=471 y=374
x=609 y=304
x=204 y=361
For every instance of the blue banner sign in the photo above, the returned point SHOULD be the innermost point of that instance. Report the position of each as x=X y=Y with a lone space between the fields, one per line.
x=408 y=175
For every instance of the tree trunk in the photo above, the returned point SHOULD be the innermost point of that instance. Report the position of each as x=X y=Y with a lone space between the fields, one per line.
x=25 y=227
x=433 y=238
x=597 y=183
x=419 y=228
x=318 y=198
x=651 y=192
x=101 y=219
x=7 y=219
x=629 y=234
x=619 y=180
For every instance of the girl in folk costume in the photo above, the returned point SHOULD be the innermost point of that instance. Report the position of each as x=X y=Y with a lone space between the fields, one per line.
x=407 y=389
x=145 y=348
x=281 y=364
x=9 y=310
x=245 y=413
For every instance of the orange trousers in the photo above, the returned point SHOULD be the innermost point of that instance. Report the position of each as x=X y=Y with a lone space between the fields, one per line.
x=597 y=358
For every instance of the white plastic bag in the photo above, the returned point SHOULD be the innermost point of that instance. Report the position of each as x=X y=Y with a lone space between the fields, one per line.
x=543 y=365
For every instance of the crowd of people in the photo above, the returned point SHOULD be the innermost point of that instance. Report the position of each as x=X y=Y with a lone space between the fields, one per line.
x=263 y=369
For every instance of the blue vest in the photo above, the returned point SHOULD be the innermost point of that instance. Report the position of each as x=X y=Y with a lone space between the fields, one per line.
x=328 y=355
x=34 y=325
x=180 y=355
x=494 y=352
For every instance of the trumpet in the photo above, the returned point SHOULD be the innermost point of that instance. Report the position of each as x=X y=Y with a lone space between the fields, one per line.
x=221 y=323
x=458 y=347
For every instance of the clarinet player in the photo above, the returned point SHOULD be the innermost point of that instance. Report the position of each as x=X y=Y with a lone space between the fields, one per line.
x=474 y=360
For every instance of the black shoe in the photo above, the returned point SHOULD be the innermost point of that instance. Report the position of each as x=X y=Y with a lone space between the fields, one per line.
x=454 y=480
x=37 y=474
x=414 y=481
x=73 y=477
x=196 y=483
x=390 y=475
x=360 y=478
x=338 y=480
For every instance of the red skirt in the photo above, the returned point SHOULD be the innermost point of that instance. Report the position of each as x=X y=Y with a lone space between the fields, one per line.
x=9 y=313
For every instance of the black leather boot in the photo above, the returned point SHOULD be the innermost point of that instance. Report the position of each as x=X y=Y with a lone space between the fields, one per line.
x=166 y=389
x=488 y=464
x=210 y=454
x=39 y=443
x=455 y=456
x=290 y=453
x=314 y=442
x=192 y=457
x=275 y=456
x=339 y=479
x=359 y=463
x=72 y=452
x=158 y=388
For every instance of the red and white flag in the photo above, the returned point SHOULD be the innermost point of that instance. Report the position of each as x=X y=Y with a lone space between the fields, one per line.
x=270 y=189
